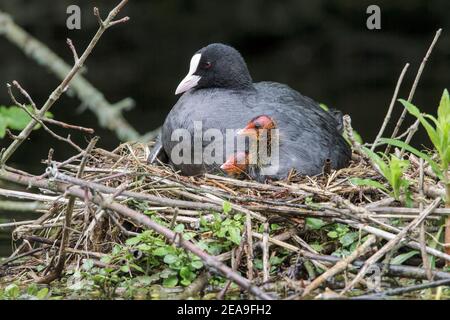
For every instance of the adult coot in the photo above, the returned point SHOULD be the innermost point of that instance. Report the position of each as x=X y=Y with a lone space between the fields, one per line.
x=219 y=94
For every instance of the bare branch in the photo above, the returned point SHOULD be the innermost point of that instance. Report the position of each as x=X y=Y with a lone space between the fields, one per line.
x=414 y=87
x=56 y=94
x=74 y=51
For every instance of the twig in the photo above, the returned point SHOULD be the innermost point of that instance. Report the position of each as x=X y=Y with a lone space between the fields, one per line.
x=249 y=246
x=340 y=266
x=143 y=220
x=391 y=244
x=356 y=146
x=38 y=120
x=399 y=291
x=413 y=89
x=68 y=221
x=56 y=94
x=422 y=236
x=391 y=107
x=68 y=126
x=265 y=249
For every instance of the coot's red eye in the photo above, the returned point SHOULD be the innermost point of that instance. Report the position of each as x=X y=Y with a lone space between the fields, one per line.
x=207 y=65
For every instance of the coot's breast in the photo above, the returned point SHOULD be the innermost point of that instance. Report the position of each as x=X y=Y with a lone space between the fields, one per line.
x=216 y=109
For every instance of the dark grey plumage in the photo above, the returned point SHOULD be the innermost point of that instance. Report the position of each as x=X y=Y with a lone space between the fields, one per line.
x=226 y=98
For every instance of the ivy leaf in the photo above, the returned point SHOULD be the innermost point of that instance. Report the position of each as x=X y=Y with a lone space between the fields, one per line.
x=349 y=238
x=42 y=294
x=170 y=258
x=170 y=282
x=314 y=223
x=332 y=234
x=160 y=252
x=133 y=241
x=197 y=264
x=226 y=207
x=235 y=235
x=179 y=228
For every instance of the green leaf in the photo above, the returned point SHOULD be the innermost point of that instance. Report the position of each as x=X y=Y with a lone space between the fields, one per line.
x=187 y=274
x=12 y=290
x=226 y=207
x=324 y=106
x=368 y=182
x=179 y=228
x=444 y=106
x=316 y=246
x=349 y=238
x=88 y=264
x=401 y=144
x=170 y=258
x=332 y=234
x=125 y=268
x=17 y=118
x=133 y=241
x=160 y=252
x=314 y=223
x=403 y=257
x=42 y=294
x=170 y=282
x=235 y=235
x=432 y=134
x=197 y=264
x=3 y=125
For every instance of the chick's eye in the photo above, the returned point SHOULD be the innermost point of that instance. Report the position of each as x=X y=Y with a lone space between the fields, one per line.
x=207 y=65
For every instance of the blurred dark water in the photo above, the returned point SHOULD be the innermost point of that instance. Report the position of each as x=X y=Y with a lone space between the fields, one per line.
x=321 y=48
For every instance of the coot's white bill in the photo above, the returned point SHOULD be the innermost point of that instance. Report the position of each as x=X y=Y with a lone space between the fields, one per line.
x=191 y=80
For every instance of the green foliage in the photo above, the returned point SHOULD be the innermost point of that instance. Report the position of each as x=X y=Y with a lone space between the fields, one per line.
x=368 y=182
x=438 y=130
x=32 y=292
x=392 y=168
x=324 y=106
x=314 y=223
x=14 y=118
x=401 y=258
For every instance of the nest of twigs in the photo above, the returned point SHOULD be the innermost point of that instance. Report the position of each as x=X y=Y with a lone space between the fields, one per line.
x=123 y=176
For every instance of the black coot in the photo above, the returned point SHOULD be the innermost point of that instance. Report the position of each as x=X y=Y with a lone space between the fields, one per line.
x=218 y=93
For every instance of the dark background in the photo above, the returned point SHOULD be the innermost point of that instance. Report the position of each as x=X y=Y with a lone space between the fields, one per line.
x=321 y=48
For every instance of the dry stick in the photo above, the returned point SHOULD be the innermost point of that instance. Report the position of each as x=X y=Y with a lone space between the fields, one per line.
x=389 y=236
x=391 y=244
x=56 y=94
x=142 y=220
x=413 y=89
x=38 y=120
x=140 y=196
x=265 y=249
x=249 y=247
x=340 y=266
x=239 y=253
x=412 y=130
x=447 y=220
x=21 y=206
x=109 y=115
x=68 y=126
x=391 y=107
x=422 y=237
x=400 y=291
x=68 y=220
